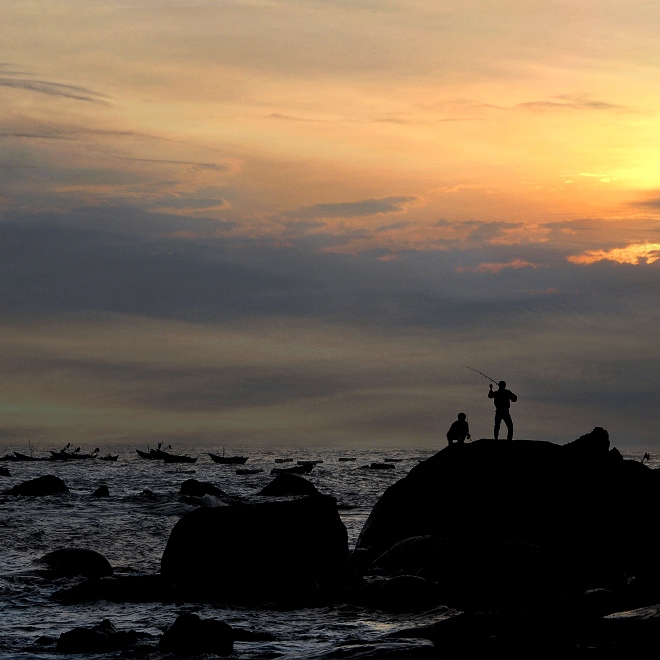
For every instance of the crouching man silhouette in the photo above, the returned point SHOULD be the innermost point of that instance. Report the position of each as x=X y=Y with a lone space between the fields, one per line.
x=459 y=430
x=502 y=399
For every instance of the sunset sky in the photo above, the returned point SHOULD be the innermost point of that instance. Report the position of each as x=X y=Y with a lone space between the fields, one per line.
x=296 y=221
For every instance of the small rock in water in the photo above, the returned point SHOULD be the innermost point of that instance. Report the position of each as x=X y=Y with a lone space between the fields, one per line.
x=194 y=488
x=211 y=501
x=101 y=491
x=76 y=561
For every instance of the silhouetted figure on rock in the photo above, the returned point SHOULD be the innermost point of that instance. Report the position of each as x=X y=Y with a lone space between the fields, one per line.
x=459 y=430
x=646 y=457
x=502 y=399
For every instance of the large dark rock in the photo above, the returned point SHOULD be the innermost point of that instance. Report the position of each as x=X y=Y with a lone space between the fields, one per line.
x=189 y=635
x=521 y=518
x=41 y=486
x=69 y=562
x=194 y=488
x=277 y=550
x=289 y=484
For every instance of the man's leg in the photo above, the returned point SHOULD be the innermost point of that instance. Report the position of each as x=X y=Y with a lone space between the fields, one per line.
x=509 y=425
x=498 y=421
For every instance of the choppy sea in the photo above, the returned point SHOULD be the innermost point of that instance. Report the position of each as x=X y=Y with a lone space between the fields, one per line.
x=131 y=529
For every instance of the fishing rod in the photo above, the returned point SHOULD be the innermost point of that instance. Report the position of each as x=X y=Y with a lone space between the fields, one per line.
x=479 y=372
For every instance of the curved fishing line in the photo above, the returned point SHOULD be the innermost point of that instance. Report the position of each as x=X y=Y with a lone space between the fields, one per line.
x=479 y=372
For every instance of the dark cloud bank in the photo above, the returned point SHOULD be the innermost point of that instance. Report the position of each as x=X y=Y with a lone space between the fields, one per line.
x=122 y=261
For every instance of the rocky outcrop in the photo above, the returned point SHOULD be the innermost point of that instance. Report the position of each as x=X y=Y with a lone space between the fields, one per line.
x=39 y=487
x=76 y=561
x=282 y=550
x=289 y=484
x=506 y=522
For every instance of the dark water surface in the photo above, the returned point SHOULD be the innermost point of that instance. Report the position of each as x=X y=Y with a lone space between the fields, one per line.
x=131 y=529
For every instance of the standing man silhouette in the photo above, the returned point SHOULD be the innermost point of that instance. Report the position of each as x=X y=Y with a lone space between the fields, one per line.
x=502 y=399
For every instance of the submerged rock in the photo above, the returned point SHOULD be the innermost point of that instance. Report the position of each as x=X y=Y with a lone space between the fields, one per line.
x=289 y=484
x=279 y=550
x=76 y=561
x=41 y=486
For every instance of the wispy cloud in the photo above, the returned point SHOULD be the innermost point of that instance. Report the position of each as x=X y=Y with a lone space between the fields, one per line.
x=186 y=202
x=497 y=267
x=40 y=131
x=215 y=167
x=634 y=253
x=55 y=89
x=363 y=207
x=567 y=102
x=283 y=117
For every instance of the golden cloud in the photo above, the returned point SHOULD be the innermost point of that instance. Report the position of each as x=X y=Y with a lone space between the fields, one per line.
x=631 y=254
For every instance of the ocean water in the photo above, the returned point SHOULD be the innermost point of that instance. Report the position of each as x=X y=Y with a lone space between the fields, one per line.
x=131 y=529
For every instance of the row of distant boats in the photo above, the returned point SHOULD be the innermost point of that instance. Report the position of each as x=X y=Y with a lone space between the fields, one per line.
x=301 y=467
x=68 y=453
